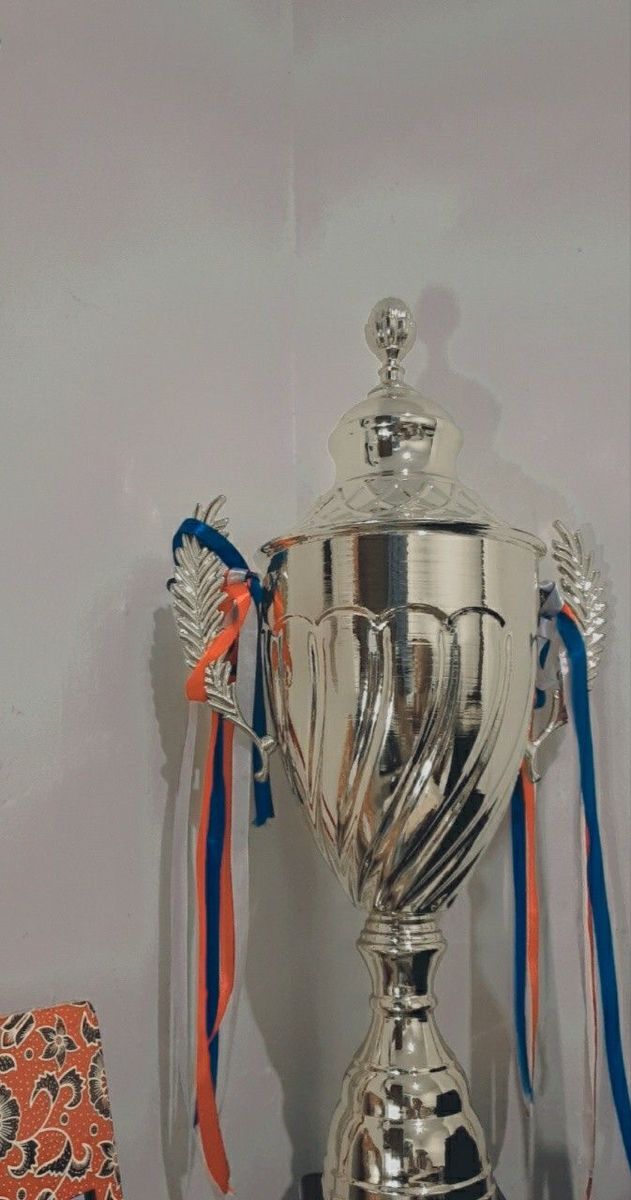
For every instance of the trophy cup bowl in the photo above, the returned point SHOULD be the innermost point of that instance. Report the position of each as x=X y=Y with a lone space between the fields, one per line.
x=399 y=641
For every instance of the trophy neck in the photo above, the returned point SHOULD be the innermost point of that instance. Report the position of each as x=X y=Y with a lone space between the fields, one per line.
x=402 y=952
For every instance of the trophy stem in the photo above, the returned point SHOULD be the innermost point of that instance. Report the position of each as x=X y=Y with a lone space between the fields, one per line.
x=404 y=1128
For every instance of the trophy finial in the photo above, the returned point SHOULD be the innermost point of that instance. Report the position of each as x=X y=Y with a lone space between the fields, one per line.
x=391 y=333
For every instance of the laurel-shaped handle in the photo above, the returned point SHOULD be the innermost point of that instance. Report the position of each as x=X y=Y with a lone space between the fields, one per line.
x=198 y=595
x=582 y=588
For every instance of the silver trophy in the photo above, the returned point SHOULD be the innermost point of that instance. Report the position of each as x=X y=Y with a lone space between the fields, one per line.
x=400 y=624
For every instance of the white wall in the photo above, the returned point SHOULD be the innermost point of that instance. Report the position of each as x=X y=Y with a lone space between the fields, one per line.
x=201 y=201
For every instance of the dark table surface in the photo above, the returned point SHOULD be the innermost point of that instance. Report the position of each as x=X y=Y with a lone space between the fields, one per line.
x=311 y=1188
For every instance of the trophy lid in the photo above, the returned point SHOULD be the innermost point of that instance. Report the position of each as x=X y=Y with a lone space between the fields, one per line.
x=395 y=455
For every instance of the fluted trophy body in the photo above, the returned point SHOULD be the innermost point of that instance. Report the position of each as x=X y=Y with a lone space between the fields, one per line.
x=400 y=677
x=399 y=643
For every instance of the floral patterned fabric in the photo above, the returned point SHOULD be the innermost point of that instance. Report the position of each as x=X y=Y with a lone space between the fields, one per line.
x=56 y=1132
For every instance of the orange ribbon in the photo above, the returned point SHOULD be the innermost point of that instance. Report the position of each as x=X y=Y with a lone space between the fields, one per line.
x=207 y=1114
x=239 y=599
x=236 y=608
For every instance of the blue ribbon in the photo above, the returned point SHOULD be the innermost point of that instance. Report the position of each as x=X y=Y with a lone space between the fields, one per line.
x=575 y=647
x=518 y=832
x=263 y=805
x=212 y=895
x=215 y=541
x=233 y=560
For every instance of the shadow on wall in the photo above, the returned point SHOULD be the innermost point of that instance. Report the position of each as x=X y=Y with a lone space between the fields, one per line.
x=478 y=414
x=306 y=984
x=167 y=672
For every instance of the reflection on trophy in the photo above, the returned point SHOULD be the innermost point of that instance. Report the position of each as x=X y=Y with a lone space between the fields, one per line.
x=399 y=625
x=399 y=645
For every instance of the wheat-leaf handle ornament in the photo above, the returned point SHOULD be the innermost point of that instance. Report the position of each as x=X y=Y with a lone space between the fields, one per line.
x=197 y=586
x=213 y=591
x=199 y=603
x=583 y=590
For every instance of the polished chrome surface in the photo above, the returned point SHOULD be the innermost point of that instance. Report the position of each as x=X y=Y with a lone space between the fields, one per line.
x=400 y=623
x=395 y=456
x=400 y=672
x=404 y=1126
x=311 y=1189
x=390 y=332
x=400 y=637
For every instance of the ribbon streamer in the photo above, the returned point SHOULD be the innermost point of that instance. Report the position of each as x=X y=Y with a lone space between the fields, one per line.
x=215 y=951
x=216 y=968
x=591 y=1026
x=180 y=1088
x=526 y=970
x=596 y=881
x=598 y=936
x=241 y=822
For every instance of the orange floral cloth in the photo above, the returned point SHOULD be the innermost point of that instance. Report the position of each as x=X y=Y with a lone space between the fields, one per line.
x=56 y=1131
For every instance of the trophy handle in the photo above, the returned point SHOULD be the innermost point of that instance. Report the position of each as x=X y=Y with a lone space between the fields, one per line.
x=221 y=696
x=199 y=602
x=582 y=587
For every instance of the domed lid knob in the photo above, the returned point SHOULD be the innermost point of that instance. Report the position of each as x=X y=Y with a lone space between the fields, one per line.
x=395 y=454
x=394 y=430
x=391 y=333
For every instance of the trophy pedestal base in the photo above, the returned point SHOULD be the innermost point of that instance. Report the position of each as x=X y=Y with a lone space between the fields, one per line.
x=404 y=1125
x=311 y=1189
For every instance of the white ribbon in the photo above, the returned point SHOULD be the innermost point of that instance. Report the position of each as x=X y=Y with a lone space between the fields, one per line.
x=241 y=825
x=181 y=1081
x=182 y=1016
